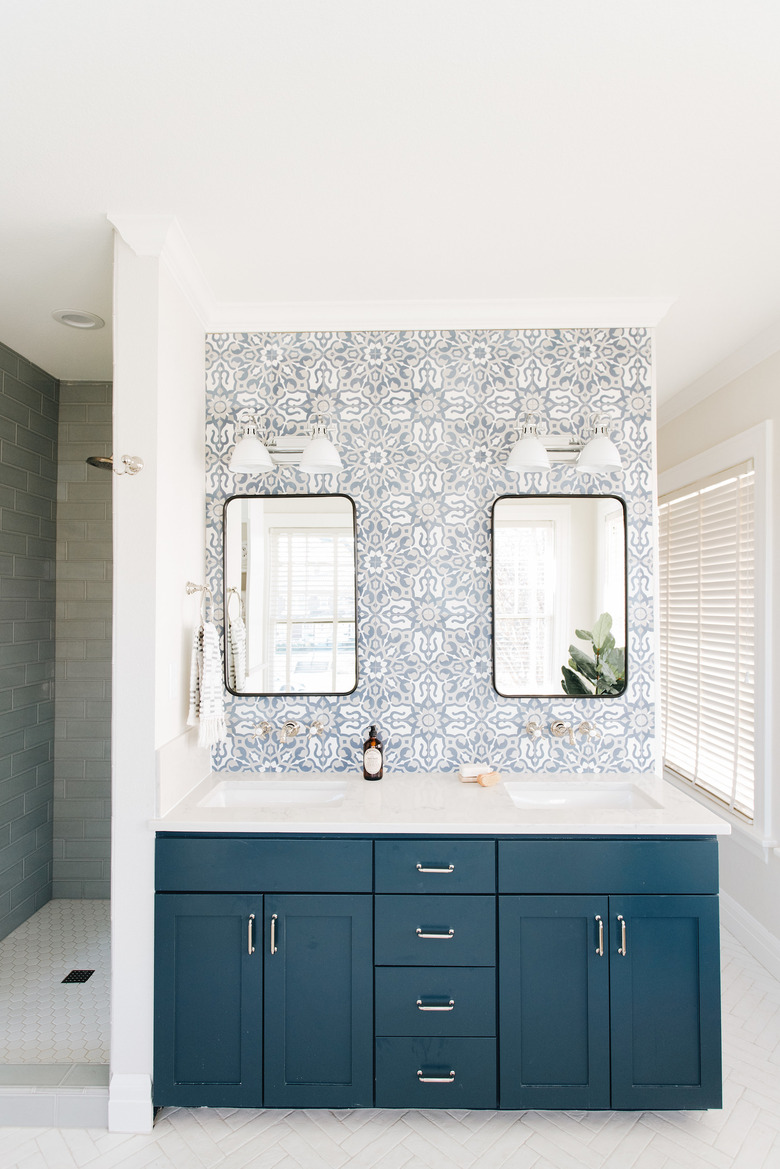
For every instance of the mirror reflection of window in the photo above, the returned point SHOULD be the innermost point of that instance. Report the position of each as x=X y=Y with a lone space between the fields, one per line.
x=292 y=561
x=558 y=563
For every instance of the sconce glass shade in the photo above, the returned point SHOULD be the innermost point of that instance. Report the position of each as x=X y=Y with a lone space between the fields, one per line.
x=320 y=456
x=529 y=452
x=600 y=452
x=250 y=455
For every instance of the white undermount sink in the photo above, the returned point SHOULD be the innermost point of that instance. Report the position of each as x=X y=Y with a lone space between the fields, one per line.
x=267 y=793
x=572 y=794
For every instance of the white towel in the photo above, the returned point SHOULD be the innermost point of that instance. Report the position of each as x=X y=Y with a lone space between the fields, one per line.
x=236 y=652
x=207 y=710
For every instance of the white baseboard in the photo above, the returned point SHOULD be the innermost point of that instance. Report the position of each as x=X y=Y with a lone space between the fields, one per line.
x=755 y=937
x=130 y=1103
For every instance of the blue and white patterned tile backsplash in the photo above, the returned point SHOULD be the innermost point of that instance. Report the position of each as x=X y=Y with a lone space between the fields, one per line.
x=425 y=421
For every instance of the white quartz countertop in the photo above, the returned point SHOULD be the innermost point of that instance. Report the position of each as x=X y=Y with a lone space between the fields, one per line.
x=439 y=802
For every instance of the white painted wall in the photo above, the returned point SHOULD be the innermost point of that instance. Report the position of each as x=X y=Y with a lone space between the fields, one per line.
x=159 y=541
x=751 y=882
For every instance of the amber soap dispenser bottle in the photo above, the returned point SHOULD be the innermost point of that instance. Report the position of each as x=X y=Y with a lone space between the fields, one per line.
x=372 y=755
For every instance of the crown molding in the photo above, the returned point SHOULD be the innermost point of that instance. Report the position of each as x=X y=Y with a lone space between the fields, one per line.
x=340 y=316
x=161 y=236
x=755 y=351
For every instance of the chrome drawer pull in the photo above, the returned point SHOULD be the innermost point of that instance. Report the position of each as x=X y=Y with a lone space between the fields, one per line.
x=449 y=869
x=250 y=944
x=435 y=1079
x=622 y=948
x=274 y=946
x=443 y=936
x=600 y=947
x=448 y=1007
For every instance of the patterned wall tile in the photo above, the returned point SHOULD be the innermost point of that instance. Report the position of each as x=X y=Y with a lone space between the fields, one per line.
x=424 y=423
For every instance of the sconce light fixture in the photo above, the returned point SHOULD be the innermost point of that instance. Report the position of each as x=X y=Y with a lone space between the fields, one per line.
x=257 y=450
x=535 y=452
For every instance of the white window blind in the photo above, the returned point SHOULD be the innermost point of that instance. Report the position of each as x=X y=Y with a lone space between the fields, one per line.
x=311 y=608
x=707 y=616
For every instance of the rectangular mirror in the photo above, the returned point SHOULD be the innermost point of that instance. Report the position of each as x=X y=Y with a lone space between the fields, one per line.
x=290 y=594
x=559 y=596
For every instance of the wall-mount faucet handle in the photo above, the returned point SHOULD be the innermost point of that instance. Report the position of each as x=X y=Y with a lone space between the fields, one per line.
x=289 y=730
x=262 y=730
x=317 y=727
x=534 y=729
x=562 y=730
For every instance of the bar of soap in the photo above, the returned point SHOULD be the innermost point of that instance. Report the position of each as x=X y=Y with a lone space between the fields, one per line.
x=470 y=772
x=488 y=778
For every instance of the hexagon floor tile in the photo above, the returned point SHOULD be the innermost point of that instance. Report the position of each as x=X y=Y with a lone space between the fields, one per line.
x=42 y=1020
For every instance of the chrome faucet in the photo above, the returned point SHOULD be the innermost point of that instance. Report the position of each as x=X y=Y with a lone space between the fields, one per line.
x=289 y=730
x=562 y=730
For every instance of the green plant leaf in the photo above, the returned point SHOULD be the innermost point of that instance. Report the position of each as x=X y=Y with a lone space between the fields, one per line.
x=572 y=683
x=601 y=629
x=583 y=662
x=616 y=659
x=583 y=634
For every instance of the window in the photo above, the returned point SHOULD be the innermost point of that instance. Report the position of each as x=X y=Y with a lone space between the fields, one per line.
x=706 y=555
x=311 y=609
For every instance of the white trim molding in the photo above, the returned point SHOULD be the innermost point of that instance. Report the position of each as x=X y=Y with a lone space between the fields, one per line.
x=756 y=938
x=338 y=316
x=130 y=1103
x=161 y=237
x=740 y=361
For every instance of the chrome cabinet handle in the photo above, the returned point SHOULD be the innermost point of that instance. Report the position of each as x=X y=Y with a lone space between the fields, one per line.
x=274 y=946
x=442 y=935
x=250 y=942
x=622 y=948
x=435 y=1079
x=448 y=1007
x=600 y=947
x=421 y=869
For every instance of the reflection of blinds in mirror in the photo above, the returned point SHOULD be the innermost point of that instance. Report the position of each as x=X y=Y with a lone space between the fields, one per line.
x=311 y=609
x=614 y=575
x=525 y=606
x=706 y=556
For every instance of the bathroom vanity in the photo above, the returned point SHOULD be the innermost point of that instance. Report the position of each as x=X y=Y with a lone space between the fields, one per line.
x=422 y=943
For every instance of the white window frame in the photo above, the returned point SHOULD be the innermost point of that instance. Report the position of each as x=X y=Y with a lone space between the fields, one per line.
x=755 y=444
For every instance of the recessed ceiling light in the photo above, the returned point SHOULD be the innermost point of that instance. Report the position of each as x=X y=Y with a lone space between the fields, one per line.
x=76 y=319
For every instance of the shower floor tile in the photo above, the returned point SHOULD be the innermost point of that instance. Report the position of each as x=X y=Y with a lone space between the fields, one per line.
x=42 y=1019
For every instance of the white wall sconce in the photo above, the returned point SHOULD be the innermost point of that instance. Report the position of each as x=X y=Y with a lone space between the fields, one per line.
x=258 y=451
x=537 y=452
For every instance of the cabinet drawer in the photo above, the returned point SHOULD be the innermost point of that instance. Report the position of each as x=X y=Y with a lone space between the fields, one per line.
x=256 y=864
x=434 y=931
x=603 y=866
x=435 y=865
x=435 y=1000
x=466 y=1069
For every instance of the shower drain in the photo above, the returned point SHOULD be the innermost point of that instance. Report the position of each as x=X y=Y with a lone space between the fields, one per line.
x=78 y=976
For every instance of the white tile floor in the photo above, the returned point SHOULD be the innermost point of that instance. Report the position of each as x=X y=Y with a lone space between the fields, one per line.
x=42 y=1020
x=745 y=1134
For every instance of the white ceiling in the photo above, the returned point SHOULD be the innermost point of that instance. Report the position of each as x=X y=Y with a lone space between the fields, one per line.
x=397 y=150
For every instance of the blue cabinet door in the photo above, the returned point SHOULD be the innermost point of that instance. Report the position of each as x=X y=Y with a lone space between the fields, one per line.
x=208 y=1000
x=553 y=1002
x=665 y=1002
x=318 y=1001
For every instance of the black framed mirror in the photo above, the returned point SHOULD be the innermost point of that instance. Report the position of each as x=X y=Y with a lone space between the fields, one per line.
x=559 y=596
x=290 y=594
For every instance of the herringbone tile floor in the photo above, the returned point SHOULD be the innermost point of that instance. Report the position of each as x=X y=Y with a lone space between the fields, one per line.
x=744 y=1135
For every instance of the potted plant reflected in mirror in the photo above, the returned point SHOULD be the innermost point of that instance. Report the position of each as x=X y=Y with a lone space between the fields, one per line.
x=603 y=672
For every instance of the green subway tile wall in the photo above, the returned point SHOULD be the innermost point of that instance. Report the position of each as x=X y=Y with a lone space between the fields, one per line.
x=82 y=751
x=29 y=400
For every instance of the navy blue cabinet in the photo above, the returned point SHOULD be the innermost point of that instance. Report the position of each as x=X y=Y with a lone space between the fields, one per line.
x=556 y=973
x=609 y=1002
x=319 y=1009
x=208 y=1000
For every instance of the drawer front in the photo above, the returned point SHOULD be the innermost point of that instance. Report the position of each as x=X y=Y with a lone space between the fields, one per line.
x=253 y=864
x=419 y=1072
x=608 y=866
x=434 y=931
x=435 y=1000
x=435 y=865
